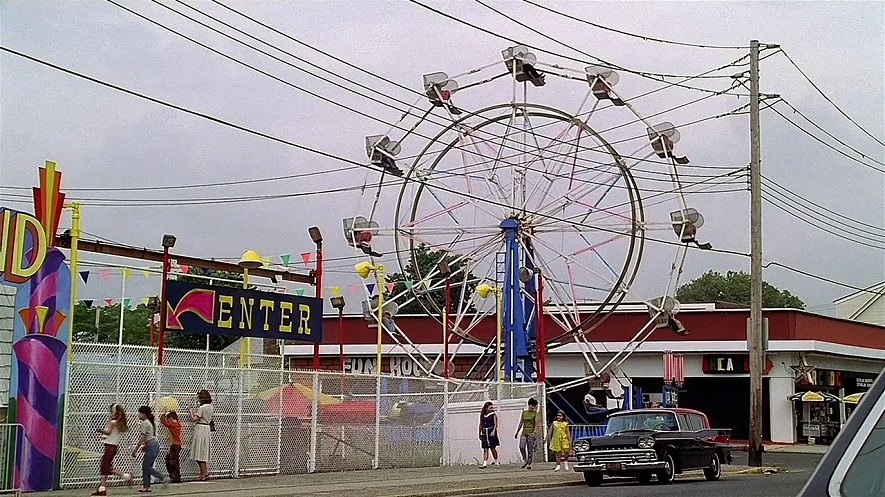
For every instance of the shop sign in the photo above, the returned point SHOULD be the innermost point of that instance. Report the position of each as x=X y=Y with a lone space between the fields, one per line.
x=811 y=430
x=726 y=364
x=866 y=383
x=218 y=310
x=824 y=378
x=404 y=366
x=360 y=365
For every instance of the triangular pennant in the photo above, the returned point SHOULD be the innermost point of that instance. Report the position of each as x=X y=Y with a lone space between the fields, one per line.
x=286 y=259
x=267 y=261
x=84 y=275
x=146 y=273
x=145 y=301
x=105 y=275
x=336 y=291
x=391 y=287
x=354 y=289
x=410 y=284
x=299 y=292
x=305 y=258
x=88 y=303
x=126 y=273
x=127 y=302
x=185 y=269
x=371 y=288
x=109 y=302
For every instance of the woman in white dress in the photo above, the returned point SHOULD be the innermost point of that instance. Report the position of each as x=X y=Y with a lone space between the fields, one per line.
x=202 y=418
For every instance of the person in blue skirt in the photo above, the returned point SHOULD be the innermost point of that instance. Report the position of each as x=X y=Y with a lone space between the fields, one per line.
x=488 y=434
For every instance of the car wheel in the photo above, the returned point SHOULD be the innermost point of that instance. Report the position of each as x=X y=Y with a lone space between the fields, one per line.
x=644 y=478
x=592 y=479
x=667 y=475
x=714 y=470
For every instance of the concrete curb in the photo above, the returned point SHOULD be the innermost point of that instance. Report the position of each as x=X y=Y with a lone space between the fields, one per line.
x=767 y=470
x=492 y=490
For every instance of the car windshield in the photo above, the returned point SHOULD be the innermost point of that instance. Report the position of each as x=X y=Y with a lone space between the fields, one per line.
x=655 y=421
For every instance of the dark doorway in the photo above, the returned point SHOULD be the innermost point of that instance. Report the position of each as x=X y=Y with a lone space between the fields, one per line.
x=726 y=401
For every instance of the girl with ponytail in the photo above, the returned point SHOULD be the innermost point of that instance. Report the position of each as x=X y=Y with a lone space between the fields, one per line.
x=148 y=444
x=111 y=435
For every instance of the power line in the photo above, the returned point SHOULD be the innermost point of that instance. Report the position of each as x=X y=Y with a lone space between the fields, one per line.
x=841 y=217
x=655 y=77
x=820 y=140
x=555 y=40
x=787 y=209
x=314 y=94
x=810 y=121
x=807 y=78
x=346 y=160
x=841 y=228
x=635 y=35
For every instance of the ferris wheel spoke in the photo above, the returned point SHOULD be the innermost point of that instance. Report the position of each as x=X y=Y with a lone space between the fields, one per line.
x=431 y=183
x=571 y=260
x=577 y=194
x=492 y=181
x=547 y=174
x=569 y=320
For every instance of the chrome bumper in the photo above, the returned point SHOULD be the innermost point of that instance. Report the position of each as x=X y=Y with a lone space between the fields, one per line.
x=626 y=467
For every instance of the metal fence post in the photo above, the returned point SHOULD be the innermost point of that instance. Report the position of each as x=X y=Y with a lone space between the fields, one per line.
x=282 y=385
x=239 y=427
x=376 y=463
x=445 y=447
x=314 y=424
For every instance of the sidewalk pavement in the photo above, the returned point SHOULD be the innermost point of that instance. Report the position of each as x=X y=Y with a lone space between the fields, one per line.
x=426 y=482
x=786 y=448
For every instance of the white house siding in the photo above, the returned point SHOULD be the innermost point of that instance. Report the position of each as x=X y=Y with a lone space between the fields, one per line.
x=866 y=307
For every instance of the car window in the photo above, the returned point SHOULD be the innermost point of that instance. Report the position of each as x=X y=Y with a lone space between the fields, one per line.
x=683 y=422
x=864 y=477
x=697 y=424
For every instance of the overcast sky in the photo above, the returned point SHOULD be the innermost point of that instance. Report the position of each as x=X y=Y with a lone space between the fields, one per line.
x=101 y=138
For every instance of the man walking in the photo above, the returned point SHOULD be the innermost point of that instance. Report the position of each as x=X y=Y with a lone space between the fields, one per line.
x=526 y=432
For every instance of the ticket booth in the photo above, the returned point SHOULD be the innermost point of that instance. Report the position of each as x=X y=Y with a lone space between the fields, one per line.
x=818 y=417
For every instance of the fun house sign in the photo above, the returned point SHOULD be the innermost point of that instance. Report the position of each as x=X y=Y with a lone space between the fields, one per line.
x=214 y=310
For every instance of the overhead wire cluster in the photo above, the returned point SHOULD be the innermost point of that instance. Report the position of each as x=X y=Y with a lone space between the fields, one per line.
x=353 y=165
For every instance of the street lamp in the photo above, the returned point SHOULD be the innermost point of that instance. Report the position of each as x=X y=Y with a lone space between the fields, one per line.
x=168 y=242
x=338 y=303
x=446 y=271
x=317 y=238
x=363 y=269
x=484 y=290
x=249 y=260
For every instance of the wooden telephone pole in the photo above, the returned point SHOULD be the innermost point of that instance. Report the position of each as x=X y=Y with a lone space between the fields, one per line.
x=754 y=333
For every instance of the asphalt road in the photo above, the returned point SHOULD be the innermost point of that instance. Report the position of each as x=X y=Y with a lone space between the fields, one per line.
x=799 y=467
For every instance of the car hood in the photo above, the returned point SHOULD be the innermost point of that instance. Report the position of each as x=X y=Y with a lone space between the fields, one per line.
x=619 y=440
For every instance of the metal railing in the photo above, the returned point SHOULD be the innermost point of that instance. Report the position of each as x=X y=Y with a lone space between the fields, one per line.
x=10 y=446
x=587 y=431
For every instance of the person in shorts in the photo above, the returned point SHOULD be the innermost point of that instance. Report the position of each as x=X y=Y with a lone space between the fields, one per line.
x=488 y=434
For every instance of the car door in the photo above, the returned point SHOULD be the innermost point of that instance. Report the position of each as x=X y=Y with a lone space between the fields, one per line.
x=688 y=445
x=705 y=448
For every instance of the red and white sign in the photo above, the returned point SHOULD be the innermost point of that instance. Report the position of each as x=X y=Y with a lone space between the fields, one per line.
x=674 y=367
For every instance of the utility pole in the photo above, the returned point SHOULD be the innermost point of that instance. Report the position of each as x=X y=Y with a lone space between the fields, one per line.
x=754 y=333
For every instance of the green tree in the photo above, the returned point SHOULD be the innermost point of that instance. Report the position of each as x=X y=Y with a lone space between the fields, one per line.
x=734 y=288
x=136 y=324
x=424 y=263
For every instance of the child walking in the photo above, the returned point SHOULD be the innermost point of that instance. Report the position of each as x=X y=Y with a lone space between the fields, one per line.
x=528 y=442
x=560 y=437
x=111 y=435
x=488 y=434
x=171 y=422
x=148 y=444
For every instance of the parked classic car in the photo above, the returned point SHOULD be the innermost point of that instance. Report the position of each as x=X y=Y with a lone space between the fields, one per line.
x=653 y=442
x=853 y=465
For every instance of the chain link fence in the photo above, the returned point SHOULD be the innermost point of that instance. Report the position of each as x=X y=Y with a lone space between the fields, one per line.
x=268 y=420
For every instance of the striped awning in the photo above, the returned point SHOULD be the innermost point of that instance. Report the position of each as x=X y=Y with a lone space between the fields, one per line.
x=813 y=397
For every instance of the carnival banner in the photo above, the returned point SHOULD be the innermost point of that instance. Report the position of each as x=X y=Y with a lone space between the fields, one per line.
x=218 y=310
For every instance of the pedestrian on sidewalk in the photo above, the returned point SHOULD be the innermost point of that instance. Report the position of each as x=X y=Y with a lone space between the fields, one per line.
x=203 y=428
x=528 y=427
x=115 y=426
x=488 y=434
x=171 y=422
x=147 y=443
x=560 y=437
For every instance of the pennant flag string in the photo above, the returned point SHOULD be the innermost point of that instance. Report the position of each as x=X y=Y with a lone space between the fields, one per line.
x=286 y=259
x=391 y=287
x=409 y=284
x=126 y=273
x=305 y=258
x=105 y=275
x=109 y=302
x=336 y=291
x=88 y=303
x=371 y=288
x=146 y=274
x=127 y=302
x=299 y=292
x=185 y=269
x=84 y=275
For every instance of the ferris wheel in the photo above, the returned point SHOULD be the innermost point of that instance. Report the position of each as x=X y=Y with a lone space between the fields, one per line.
x=544 y=207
